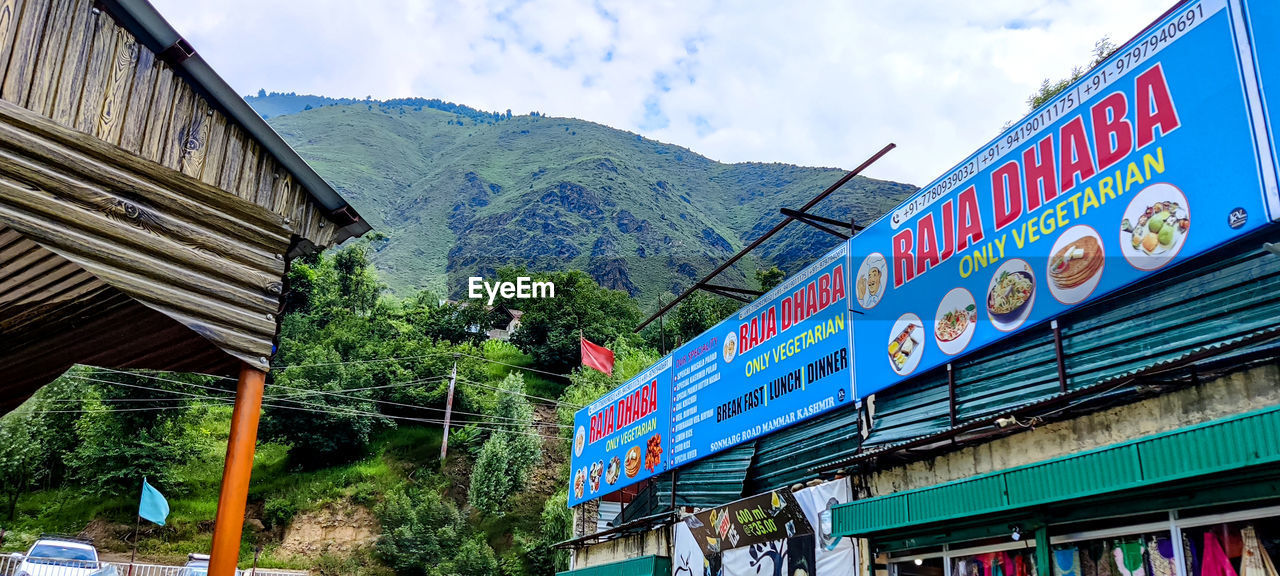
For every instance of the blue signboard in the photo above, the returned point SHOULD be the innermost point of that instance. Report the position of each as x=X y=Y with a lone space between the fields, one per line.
x=780 y=360
x=1262 y=57
x=620 y=439
x=1148 y=161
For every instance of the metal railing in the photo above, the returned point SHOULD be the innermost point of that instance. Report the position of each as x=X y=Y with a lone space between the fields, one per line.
x=10 y=565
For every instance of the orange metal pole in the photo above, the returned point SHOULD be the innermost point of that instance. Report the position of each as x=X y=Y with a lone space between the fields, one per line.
x=229 y=524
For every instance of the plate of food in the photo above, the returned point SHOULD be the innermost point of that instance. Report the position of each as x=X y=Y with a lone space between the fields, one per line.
x=1155 y=226
x=579 y=440
x=872 y=277
x=579 y=482
x=614 y=470
x=1011 y=294
x=653 y=453
x=597 y=470
x=956 y=321
x=1075 y=264
x=633 y=462
x=905 y=344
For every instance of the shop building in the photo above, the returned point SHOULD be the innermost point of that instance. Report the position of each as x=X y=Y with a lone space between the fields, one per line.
x=1133 y=432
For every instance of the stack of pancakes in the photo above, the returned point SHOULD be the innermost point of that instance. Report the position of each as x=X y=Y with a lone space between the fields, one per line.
x=1080 y=269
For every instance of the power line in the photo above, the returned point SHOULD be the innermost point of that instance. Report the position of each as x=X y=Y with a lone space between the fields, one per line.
x=305 y=391
x=341 y=395
x=439 y=353
x=316 y=408
x=371 y=361
x=565 y=376
x=152 y=408
x=401 y=404
x=548 y=400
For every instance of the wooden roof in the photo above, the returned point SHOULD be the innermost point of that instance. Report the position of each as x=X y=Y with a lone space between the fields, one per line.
x=146 y=220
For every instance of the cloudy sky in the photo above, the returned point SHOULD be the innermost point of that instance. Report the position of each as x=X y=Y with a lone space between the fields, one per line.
x=822 y=83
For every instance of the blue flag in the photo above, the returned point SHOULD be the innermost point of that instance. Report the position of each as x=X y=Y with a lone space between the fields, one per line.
x=152 y=506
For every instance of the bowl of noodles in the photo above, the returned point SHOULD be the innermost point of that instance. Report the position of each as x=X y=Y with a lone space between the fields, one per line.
x=1011 y=293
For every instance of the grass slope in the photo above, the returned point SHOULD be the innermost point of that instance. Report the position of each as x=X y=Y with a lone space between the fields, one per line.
x=459 y=192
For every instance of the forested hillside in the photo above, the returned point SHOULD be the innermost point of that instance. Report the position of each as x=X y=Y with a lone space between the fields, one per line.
x=459 y=192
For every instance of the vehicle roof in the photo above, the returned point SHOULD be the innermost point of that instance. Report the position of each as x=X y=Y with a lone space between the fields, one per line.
x=66 y=543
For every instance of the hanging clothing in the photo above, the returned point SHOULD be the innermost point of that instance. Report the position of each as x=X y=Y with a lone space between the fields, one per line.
x=1215 y=561
x=1089 y=560
x=1254 y=561
x=1066 y=562
x=1160 y=556
x=1191 y=555
x=1129 y=558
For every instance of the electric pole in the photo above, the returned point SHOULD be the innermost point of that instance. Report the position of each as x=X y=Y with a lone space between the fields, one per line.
x=448 y=411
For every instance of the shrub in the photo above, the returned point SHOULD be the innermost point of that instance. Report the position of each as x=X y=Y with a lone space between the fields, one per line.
x=423 y=534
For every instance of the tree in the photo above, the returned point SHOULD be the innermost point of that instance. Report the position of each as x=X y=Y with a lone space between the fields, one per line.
x=550 y=327
x=557 y=526
x=20 y=458
x=769 y=277
x=516 y=412
x=502 y=469
x=698 y=313
x=329 y=425
x=453 y=322
x=115 y=449
x=1102 y=49
x=491 y=487
x=358 y=286
x=424 y=535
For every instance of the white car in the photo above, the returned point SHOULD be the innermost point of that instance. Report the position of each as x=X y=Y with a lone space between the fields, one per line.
x=60 y=557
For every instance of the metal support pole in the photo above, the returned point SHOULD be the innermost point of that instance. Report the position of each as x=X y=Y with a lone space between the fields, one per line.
x=1179 y=555
x=229 y=523
x=758 y=241
x=1044 y=563
x=951 y=393
x=137 y=531
x=448 y=413
x=662 y=334
x=1062 y=361
x=673 y=493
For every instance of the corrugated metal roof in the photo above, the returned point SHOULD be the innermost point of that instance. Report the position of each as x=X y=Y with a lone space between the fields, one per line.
x=1223 y=445
x=1213 y=306
x=54 y=314
x=642 y=566
x=788 y=456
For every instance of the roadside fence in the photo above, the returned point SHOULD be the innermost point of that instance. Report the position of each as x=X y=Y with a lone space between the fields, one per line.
x=12 y=564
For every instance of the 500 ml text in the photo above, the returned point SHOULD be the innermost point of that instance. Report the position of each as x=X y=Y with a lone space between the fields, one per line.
x=523 y=287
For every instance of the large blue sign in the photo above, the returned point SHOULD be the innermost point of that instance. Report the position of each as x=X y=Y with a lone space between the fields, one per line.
x=780 y=360
x=1149 y=160
x=1161 y=153
x=1263 y=59
x=620 y=439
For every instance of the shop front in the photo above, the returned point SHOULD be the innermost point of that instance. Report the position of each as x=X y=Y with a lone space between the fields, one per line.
x=1196 y=501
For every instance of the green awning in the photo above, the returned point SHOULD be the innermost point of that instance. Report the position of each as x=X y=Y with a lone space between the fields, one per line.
x=1229 y=444
x=642 y=566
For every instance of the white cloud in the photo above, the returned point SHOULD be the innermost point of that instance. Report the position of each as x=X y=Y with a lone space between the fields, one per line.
x=814 y=83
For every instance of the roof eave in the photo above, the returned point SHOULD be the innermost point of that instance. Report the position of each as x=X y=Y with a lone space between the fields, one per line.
x=146 y=24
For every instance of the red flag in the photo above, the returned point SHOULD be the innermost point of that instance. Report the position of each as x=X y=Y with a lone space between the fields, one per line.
x=596 y=356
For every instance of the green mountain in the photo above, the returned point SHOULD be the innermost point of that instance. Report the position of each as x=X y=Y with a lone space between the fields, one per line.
x=459 y=192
